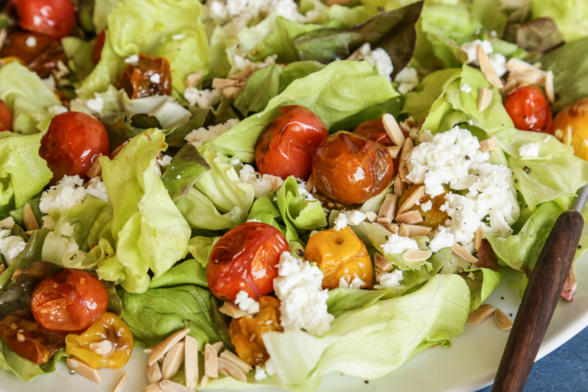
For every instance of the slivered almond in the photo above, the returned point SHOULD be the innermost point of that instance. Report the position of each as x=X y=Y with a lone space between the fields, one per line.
x=170 y=386
x=489 y=144
x=398 y=186
x=172 y=361
x=153 y=373
x=28 y=216
x=7 y=223
x=463 y=253
x=478 y=235
x=230 y=369
x=224 y=83
x=411 y=200
x=394 y=151
x=232 y=310
x=549 y=88
x=414 y=230
x=83 y=370
x=231 y=92
x=371 y=216
x=484 y=98
x=210 y=361
x=391 y=227
x=309 y=186
x=403 y=166
x=388 y=208
x=191 y=361
x=96 y=168
x=502 y=320
x=403 y=231
x=417 y=255
x=218 y=346
x=232 y=357
x=122 y=383
x=152 y=388
x=162 y=348
x=393 y=129
x=382 y=263
x=410 y=217
x=487 y=69
x=193 y=79
x=480 y=314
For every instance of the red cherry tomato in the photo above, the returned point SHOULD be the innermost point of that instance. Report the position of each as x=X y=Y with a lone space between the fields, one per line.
x=55 y=18
x=72 y=143
x=98 y=45
x=5 y=117
x=69 y=301
x=373 y=130
x=286 y=146
x=529 y=109
x=245 y=258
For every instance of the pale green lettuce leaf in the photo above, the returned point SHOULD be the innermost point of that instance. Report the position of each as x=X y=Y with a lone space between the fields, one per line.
x=23 y=368
x=482 y=282
x=101 y=10
x=571 y=16
x=187 y=272
x=200 y=248
x=79 y=53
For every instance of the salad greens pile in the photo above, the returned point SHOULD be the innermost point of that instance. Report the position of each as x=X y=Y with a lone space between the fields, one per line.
x=152 y=235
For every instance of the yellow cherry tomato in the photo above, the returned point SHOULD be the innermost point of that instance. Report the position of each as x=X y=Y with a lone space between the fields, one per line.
x=431 y=212
x=340 y=254
x=107 y=343
x=571 y=127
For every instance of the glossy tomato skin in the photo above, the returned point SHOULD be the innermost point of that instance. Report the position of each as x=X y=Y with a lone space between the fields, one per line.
x=72 y=143
x=529 y=110
x=98 y=45
x=373 y=130
x=5 y=117
x=286 y=146
x=150 y=75
x=55 y=18
x=69 y=301
x=245 y=258
x=350 y=169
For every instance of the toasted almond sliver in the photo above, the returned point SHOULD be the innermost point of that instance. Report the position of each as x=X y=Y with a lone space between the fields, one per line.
x=83 y=370
x=487 y=69
x=502 y=320
x=463 y=253
x=152 y=388
x=191 y=362
x=480 y=314
x=403 y=166
x=231 y=92
x=393 y=129
x=193 y=79
x=382 y=263
x=489 y=144
x=232 y=310
x=484 y=98
x=411 y=217
x=153 y=373
x=7 y=223
x=233 y=358
x=414 y=230
x=391 y=227
x=412 y=199
x=232 y=370
x=96 y=168
x=309 y=186
x=388 y=208
x=210 y=361
x=478 y=235
x=549 y=89
x=28 y=216
x=394 y=151
x=172 y=361
x=122 y=383
x=224 y=83
x=162 y=348
x=218 y=346
x=170 y=386
x=417 y=255
x=398 y=186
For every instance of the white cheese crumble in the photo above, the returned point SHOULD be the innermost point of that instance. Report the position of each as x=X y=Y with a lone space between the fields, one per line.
x=303 y=302
x=426 y=206
x=397 y=244
x=497 y=60
x=198 y=136
x=155 y=78
x=302 y=191
x=246 y=303
x=244 y=65
x=441 y=239
x=245 y=10
x=260 y=373
x=31 y=42
x=10 y=246
x=262 y=183
x=164 y=161
x=68 y=192
x=95 y=104
x=97 y=189
x=203 y=98
x=352 y=217
x=132 y=59
x=389 y=279
x=529 y=150
x=48 y=222
x=466 y=88
x=379 y=58
x=408 y=79
x=356 y=283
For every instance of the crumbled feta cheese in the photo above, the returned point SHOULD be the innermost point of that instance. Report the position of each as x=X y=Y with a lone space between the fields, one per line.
x=302 y=191
x=68 y=192
x=164 y=161
x=262 y=183
x=97 y=189
x=31 y=42
x=244 y=65
x=10 y=246
x=397 y=244
x=203 y=98
x=426 y=206
x=246 y=303
x=466 y=88
x=260 y=373
x=356 y=283
x=132 y=59
x=49 y=82
x=242 y=11
x=340 y=222
x=379 y=58
x=155 y=78
x=352 y=217
x=95 y=104
x=441 y=239
x=389 y=279
x=529 y=150
x=198 y=136
x=303 y=301
x=408 y=79
x=497 y=60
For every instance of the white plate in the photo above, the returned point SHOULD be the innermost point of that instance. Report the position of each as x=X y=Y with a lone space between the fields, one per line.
x=469 y=364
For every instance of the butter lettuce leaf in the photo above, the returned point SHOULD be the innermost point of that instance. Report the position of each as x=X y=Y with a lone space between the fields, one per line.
x=571 y=16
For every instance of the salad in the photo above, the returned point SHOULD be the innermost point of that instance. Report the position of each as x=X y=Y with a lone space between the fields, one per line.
x=265 y=192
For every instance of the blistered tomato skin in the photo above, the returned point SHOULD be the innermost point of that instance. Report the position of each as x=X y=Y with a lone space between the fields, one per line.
x=245 y=258
x=55 y=18
x=373 y=130
x=529 y=110
x=42 y=58
x=350 y=169
x=286 y=146
x=150 y=75
x=72 y=143
x=69 y=301
x=5 y=117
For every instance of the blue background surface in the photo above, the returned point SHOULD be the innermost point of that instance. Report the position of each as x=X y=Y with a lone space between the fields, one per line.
x=564 y=370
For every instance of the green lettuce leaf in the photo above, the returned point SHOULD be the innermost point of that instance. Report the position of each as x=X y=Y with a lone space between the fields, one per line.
x=23 y=368
x=187 y=272
x=200 y=248
x=30 y=254
x=482 y=282
x=184 y=170
x=571 y=16
x=79 y=53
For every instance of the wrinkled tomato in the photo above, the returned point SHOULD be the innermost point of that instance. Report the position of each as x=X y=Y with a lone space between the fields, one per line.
x=72 y=143
x=150 y=75
x=98 y=46
x=245 y=258
x=350 y=169
x=373 y=130
x=69 y=301
x=529 y=110
x=5 y=117
x=55 y=18
x=286 y=146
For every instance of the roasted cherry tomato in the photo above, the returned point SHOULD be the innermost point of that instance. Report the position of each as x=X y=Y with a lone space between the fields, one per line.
x=529 y=109
x=55 y=18
x=98 y=46
x=72 y=143
x=108 y=343
x=350 y=169
x=571 y=127
x=286 y=146
x=5 y=117
x=246 y=332
x=341 y=255
x=374 y=130
x=69 y=301
x=246 y=258
x=28 y=339
x=149 y=76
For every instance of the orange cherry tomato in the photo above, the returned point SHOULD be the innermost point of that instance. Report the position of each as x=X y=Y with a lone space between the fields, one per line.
x=72 y=143
x=245 y=258
x=373 y=130
x=350 y=169
x=5 y=117
x=69 y=301
x=150 y=75
x=98 y=45
x=286 y=146
x=55 y=18
x=529 y=110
